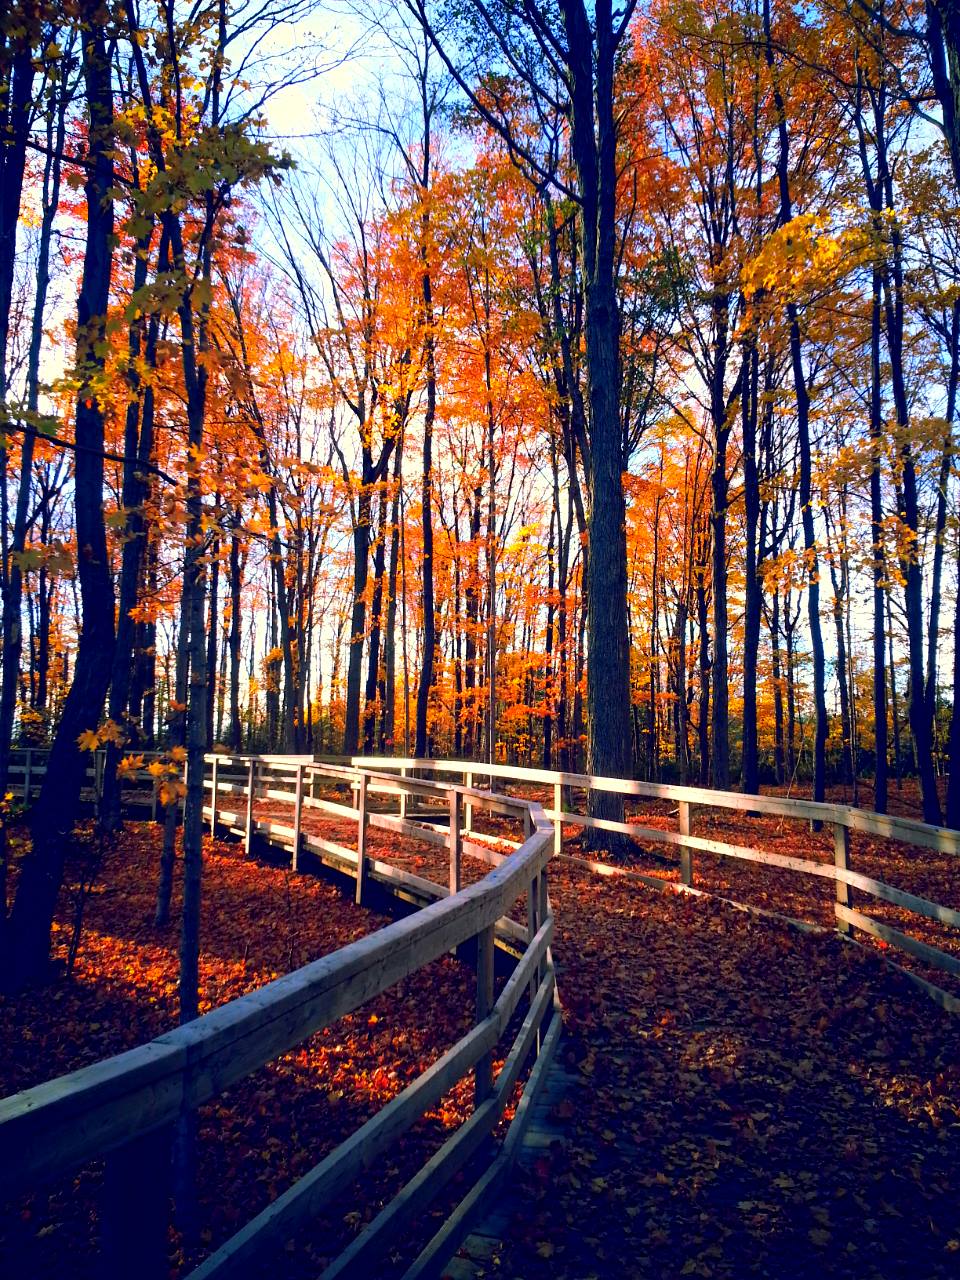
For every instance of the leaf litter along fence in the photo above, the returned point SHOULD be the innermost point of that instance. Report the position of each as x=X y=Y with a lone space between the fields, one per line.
x=117 y=1108
x=843 y=820
x=125 y=1108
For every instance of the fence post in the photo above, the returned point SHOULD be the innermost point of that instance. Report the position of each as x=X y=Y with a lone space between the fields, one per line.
x=468 y=804
x=557 y=817
x=686 y=854
x=27 y=768
x=403 y=796
x=361 y=837
x=251 y=791
x=542 y=910
x=841 y=860
x=98 y=759
x=455 y=844
x=484 y=1071
x=297 y=813
x=213 y=795
x=533 y=924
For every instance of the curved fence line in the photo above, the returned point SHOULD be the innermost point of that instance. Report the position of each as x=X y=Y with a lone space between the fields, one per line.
x=842 y=818
x=126 y=1108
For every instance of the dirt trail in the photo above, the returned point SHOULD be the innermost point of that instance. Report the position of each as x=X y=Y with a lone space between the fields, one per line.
x=751 y=1099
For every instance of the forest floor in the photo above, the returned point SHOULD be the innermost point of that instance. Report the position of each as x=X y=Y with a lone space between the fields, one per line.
x=924 y=872
x=750 y=1100
x=748 y=1097
x=798 y=896
x=259 y=921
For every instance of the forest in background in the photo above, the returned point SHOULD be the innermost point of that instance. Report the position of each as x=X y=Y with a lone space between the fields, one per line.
x=582 y=394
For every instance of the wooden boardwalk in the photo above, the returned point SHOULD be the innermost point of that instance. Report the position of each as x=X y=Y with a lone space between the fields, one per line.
x=545 y=1132
x=439 y=843
x=127 y=1108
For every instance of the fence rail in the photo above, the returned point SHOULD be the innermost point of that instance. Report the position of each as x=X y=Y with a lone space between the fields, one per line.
x=125 y=1108
x=843 y=819
x=119 y=1108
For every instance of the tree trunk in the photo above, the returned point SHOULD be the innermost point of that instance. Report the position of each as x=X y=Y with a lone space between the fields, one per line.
x=804 y=443
x=56 y=809
x=137 y=450
x=750 y=776
x=791 y=699
x=177 y=737
x=720 y=738
x=472 y=675
x=376 y=629
x=878 y=559
x=421 y=732
x=593 y=135
x=16 y=107
x=563 y=625
x=548 y=674
x=919 y=712
x=12 y=134
x=388 y=721
x=894 y=699
x=842 y=680
x=943 y=38
x=212 y=635
x=953 y=782
x=940 y=523
x=235 y=584
x=143 y=682
x=192 y=635
x=358 y=621
x=703 y=718
x=779 y=748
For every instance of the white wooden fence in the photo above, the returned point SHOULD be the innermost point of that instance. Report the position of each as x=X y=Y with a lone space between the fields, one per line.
x=122 y=1108
x=843 y=819
x=125 y=1107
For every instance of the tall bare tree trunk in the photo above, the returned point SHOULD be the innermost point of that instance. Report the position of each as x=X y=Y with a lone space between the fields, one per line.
x=802 y=394
x=137 y=450
x=235 y=584
x=422 y=743
x=953 y=782
x=752 y=603
x=593 y=141
x=57 y=807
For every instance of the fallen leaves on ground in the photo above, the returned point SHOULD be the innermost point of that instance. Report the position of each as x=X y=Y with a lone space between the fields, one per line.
x=926 y=873
x=750 y=1100
x=259 y=921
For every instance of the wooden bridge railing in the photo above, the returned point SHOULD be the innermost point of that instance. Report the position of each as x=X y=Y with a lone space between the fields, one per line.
x=28 y=768
x=843 y=819
x=125 y=1108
